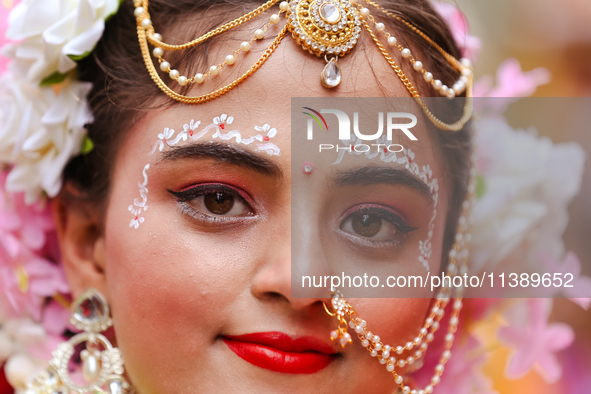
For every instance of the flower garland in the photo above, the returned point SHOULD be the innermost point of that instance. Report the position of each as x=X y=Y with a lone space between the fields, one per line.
x=43 y=113
x=43 y=108
x=43 y=118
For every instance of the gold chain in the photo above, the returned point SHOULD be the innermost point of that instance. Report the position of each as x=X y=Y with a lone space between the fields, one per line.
x=409 y=86
x=456 y=126
x=452 y=60
x=216 y=93
x=205 y=37
x=146 y=34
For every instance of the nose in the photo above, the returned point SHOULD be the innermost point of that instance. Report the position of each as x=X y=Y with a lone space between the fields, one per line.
x=295 y=255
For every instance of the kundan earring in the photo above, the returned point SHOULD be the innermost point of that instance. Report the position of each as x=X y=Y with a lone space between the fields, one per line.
x=102 y=364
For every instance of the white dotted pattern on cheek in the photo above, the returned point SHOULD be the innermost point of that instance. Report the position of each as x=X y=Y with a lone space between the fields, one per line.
x=219 y=123
x=404 y=157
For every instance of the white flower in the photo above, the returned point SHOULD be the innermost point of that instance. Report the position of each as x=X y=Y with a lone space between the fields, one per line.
x=166 y=134
x=135 y=222
x=266 y=128
x=16 y=337
x=528 y=183
x=51 y=33
x=39 y=132
x=164 y=137
x=190 y=128
x=223 y=120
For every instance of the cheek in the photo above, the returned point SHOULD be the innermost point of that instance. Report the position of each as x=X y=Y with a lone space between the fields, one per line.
x=396 y=321
x=170 y=285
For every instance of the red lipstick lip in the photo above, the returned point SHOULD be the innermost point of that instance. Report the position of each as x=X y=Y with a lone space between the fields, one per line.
x=281 y=341
x=279 y=352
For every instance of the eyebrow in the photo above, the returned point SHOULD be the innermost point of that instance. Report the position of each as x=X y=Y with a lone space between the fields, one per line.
x=224 y=153
x=380 y=175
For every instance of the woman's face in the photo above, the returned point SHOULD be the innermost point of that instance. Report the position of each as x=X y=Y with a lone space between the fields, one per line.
x=201 y=292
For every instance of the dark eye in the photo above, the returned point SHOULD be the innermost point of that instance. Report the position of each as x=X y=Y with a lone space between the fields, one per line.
x=367 y=224
x=219 y=203
x=375 y=223
x=214 y=201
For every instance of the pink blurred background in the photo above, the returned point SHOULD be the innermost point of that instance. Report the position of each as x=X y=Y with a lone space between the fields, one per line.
x=556 y=36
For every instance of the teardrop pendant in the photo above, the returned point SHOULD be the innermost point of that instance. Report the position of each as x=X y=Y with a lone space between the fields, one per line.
x=91 y=366
x=90 y=312
x=331 y=74
x=116 y=386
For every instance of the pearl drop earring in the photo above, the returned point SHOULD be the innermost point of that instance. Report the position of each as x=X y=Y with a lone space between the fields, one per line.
x=102 y=364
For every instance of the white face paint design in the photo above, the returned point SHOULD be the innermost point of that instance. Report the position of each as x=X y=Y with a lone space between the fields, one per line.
x=405 y=157
x=190 y=131
x=219 y=123
x=139 y=205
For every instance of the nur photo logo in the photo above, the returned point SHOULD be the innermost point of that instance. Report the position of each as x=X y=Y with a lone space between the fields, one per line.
x=388 y=122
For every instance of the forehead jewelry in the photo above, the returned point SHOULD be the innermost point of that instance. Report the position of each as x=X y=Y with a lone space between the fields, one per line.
x=329 y=29
x=307 y=167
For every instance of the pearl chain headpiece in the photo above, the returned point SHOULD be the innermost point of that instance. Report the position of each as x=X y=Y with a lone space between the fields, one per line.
x=325 y=28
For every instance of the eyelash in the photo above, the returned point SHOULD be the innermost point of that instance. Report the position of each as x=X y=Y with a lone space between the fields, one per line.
x=186 y=196
x=384 y=214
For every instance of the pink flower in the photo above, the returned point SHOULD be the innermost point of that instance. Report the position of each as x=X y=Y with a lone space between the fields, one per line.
x=582 y=302
x=512 y=83
x=29 y=223
x=27 y=243
x=5 y=7
x=580 y=285
x=43 y=350
x=3 y=26
x=26 y=280
x=458 y=26
x=56 y=318
x=55 y=321
x=576 y=360
x=534 y=341
x=462 y=373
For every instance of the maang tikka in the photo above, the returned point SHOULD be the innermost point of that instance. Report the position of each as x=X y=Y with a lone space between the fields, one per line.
x=102 y=364
x=329 y=29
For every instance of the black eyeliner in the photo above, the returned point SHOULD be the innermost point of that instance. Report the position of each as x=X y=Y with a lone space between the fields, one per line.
x=390 y=216
x=184 y=198
x=200 y=190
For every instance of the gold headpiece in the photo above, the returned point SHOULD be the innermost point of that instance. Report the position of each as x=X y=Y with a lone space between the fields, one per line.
x=325 y=28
